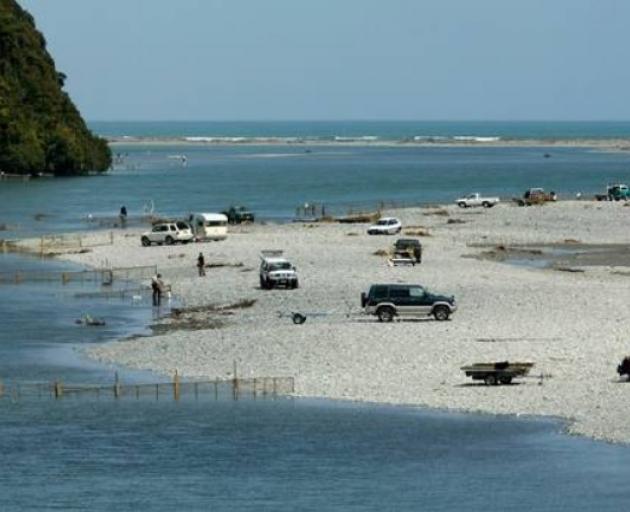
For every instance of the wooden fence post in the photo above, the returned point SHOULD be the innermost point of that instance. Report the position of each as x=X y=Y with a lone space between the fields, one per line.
x=176 y=386
x=116 y=386
x=235 y=383
x=58 y=389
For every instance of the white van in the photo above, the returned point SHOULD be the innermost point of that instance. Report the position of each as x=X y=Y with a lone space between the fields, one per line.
x=209 y=226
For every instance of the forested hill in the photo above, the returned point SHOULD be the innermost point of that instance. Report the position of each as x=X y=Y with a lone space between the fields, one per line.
x=40 y=128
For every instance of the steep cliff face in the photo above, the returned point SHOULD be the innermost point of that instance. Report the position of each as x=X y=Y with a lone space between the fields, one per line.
x=40 y=128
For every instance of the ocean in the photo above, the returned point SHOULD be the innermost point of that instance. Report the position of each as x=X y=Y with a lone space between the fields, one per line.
x=272 y=454
x=394 y=131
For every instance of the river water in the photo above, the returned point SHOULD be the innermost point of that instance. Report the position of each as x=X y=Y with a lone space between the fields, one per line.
x=271 y=454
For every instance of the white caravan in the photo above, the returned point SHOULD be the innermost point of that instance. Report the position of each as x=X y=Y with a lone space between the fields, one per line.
x=209 y=226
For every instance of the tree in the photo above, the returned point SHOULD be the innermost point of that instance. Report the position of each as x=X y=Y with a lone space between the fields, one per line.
x=40 y=127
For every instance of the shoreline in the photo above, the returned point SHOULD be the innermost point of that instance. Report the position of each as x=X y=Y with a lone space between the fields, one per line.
x=409 y=363
x=615 y=144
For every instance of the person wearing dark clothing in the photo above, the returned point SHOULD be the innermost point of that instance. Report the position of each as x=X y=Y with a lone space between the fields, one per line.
x=157 y=287
x=201 y=265
x=123 y=215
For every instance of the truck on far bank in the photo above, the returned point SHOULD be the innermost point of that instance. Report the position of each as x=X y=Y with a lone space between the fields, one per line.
x=615 y=192
x=238 y=215
x=536 y=196
x=476 y=199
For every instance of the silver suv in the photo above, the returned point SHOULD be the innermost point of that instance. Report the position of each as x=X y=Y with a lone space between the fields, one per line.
x=275 y=270
x=168 y=233
x=387 y=301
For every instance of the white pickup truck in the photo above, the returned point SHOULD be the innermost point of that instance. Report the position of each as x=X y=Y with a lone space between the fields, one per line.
x=476 y=200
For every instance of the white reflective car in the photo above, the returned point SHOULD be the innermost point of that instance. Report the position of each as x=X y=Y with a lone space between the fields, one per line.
x=385 y=226
x=168 y=233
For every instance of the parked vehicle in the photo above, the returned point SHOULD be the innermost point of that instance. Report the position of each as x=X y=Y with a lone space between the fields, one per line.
x=385 y=226
x=238 y=215
x=209 y=226
x=497 y=373
x=536 y=196
x=410 y=248
x=618 y=192
x=275 y=271
x=387 y=301
x=168 y=233
x=476 y=199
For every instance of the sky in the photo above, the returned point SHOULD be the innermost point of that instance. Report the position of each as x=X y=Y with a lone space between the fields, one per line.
x=341 y=59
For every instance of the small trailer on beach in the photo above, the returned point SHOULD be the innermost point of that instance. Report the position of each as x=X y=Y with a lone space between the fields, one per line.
x=624 y=367
x=497 y=373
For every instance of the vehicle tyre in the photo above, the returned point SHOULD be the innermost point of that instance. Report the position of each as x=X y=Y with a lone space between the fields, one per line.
x=486 y=204
x=295 y=285
x=461 y=204
x=262 y=284
x=145 y=241
x=506 y=380
x=385 y=314
x=490 y=380
x=441 y=313
x=169 y=240
x=268 y=284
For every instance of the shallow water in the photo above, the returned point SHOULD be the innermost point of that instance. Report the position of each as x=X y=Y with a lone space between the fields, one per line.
x=295 y=455
x=40 y=340
x=274 y=181
x=101 y=454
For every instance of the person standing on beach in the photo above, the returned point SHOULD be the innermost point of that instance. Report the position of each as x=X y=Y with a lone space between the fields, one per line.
x=157 y=287
x=201 y=265
x=123 y=216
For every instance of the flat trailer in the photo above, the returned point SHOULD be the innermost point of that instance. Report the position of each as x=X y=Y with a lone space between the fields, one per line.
x=497 y=373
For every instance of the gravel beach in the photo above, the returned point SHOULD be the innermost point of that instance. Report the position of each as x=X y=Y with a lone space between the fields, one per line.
x=574 y=325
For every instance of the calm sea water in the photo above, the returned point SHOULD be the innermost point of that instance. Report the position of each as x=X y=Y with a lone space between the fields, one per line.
x=283 y=454
x=383 y=130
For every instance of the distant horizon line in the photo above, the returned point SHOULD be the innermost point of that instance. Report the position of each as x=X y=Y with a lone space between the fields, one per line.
x=358 y=120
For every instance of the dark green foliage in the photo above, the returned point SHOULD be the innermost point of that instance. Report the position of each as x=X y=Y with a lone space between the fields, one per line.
x=40 y=128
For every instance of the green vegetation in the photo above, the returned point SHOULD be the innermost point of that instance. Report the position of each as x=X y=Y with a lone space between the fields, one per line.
x=40 y=128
